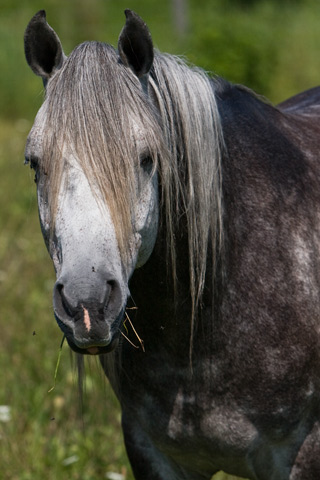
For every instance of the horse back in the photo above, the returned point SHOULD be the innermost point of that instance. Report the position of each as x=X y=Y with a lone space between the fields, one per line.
x=304 y=102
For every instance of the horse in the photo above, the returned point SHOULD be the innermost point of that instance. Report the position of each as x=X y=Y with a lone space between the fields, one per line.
x=182 y=216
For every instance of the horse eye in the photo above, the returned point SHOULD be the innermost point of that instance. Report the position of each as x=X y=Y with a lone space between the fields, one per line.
x=32 y=161
x=34 y=164
x=146 y=163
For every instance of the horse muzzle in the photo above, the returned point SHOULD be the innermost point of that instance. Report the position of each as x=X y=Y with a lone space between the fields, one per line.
x=91 y=321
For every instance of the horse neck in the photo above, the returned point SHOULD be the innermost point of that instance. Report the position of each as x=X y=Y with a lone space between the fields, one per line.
x=164 y=306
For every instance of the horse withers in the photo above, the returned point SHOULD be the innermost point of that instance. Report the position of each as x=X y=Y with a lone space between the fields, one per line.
x=182 y=215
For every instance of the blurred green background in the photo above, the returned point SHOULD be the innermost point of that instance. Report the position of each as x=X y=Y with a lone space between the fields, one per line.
x=271 y=46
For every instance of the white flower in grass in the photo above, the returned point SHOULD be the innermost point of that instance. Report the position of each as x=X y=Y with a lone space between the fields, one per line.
x=70 y=460
x=114 y=476
x=5 y=413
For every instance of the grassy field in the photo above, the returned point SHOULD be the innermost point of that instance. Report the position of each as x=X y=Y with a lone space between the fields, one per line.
x=47 y=435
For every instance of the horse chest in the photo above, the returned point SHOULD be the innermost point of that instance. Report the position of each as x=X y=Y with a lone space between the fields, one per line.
x=210 y=424
x=186 y=422
x=205 y=431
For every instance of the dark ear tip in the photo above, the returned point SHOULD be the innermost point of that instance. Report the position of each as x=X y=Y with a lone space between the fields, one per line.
x=132 y=16
x=39 y=16
x=42 y=13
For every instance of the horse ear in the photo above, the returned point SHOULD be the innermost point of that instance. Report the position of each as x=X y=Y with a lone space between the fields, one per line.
x=135 y=45
x=42 y=47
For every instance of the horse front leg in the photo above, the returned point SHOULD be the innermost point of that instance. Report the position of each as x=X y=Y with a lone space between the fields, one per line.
x=147 y=461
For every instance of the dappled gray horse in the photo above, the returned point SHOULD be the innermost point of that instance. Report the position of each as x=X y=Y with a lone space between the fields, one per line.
x=182 y=215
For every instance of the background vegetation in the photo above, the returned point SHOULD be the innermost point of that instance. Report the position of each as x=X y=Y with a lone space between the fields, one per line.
x=270 y=46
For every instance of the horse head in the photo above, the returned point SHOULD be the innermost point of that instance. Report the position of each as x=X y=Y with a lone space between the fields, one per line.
x=95 y=167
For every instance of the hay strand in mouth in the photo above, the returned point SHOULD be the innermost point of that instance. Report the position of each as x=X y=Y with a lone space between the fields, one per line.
x=57 y=366
x=128 y=340
x=134 y=330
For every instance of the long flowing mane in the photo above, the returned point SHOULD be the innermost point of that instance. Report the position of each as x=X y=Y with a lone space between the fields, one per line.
x=89 y=103
x=194 y=137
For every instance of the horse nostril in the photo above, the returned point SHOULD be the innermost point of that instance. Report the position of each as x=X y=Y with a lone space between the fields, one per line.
x=62 y=306
x=111 y=284
x=59 y=289
x=111 y=291
x=110 y=296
